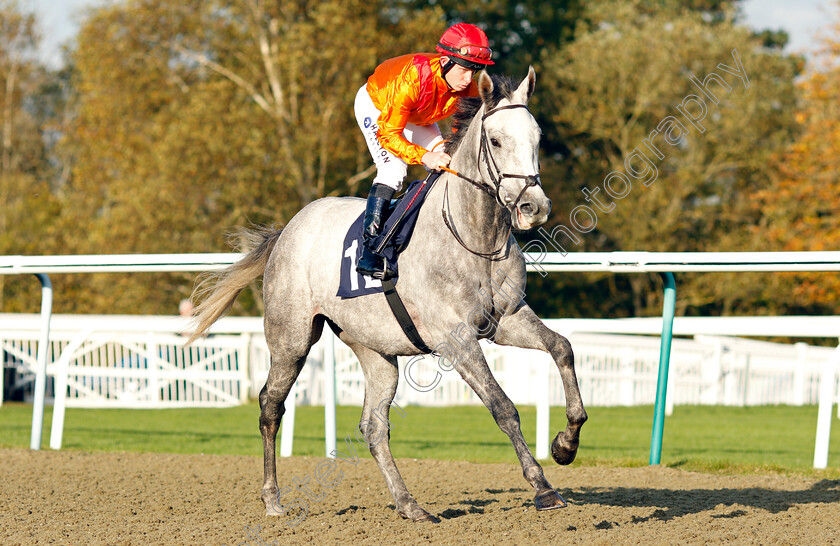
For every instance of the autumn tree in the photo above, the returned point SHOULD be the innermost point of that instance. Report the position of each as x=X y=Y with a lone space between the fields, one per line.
x=195 y=117
x=800 y=209
x=184 y=119
x=518 y=30
x=27 y=205
x=630 y=102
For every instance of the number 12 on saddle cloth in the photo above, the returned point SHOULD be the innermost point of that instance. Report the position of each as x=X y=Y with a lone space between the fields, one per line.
x=352 y=283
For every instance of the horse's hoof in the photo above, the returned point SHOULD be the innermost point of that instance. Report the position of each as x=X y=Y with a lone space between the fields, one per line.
x=270 y=510
x=268 y=498
x=427 y=517
x=550 y=500
x=418 y=514
x=563 y=454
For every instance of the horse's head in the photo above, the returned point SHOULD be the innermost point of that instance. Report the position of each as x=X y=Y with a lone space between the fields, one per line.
x=510 y=139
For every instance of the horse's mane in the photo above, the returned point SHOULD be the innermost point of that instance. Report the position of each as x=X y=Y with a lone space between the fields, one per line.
x=503 y=88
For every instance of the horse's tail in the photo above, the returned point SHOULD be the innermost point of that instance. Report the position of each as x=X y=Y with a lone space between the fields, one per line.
x=219 y=289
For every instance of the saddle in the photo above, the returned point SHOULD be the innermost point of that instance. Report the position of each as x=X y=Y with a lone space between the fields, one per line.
x=395 y=235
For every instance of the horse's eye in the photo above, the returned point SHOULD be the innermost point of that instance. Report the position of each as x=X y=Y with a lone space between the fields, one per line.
x=495 y=143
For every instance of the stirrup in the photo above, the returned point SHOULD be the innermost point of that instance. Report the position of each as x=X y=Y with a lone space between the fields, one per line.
x=385 y=274
x=370 y=264
x=380 y=274
x=377 y=270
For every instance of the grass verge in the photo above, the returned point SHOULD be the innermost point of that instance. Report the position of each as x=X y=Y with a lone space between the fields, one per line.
x=765 y=439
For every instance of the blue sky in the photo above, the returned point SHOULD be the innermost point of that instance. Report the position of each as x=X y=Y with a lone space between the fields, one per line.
x=59 y=21
x=802 y=19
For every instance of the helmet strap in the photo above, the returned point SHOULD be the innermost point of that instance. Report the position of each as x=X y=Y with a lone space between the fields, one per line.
x=446 y=67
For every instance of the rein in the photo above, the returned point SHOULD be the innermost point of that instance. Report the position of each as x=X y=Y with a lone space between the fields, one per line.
x=492 y=256
x=496 y=175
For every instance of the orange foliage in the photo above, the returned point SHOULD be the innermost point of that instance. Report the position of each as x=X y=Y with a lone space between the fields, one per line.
x=801 y=205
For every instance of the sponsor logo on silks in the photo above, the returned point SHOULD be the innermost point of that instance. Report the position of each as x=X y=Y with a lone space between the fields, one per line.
x=367 y=122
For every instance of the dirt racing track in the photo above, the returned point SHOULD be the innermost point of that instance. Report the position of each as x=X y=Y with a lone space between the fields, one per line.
x=132 y=498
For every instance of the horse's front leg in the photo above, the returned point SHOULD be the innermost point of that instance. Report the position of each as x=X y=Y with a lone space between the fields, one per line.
x=473 y=368
x=523 y=328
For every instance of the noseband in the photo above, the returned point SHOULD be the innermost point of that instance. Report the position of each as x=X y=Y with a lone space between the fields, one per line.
x=496 y=176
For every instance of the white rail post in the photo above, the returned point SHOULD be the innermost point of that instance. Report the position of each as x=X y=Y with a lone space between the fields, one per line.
x=61 y=372
x=827 y=381
x=542 y=362
x=41 y=371
x=329 y=392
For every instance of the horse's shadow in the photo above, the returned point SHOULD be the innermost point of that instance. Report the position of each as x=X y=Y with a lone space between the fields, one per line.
x=675 y=503
x=668 y=504
x=476 y=505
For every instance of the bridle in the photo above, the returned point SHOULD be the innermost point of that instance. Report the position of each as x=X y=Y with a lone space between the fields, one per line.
x=496 y=176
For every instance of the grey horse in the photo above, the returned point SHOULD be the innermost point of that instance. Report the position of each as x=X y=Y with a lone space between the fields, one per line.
x=461 y=280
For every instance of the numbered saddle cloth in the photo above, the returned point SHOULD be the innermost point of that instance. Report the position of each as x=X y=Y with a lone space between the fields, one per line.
x=352 y=283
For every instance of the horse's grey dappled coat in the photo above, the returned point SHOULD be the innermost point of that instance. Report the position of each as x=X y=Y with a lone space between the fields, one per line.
x=441 y=283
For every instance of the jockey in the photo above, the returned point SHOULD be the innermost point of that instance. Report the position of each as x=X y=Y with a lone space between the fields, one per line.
x=398 y=110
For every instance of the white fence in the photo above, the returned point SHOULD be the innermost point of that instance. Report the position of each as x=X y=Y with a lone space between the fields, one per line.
x=539 y=260
x=108 y=366
x=140 y=362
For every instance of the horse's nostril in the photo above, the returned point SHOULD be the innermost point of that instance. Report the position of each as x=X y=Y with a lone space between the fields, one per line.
x=529 y=208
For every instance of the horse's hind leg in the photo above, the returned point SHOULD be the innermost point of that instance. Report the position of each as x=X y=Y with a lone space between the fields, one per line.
x=381 y=376
x=281 y=377
x=289 y=347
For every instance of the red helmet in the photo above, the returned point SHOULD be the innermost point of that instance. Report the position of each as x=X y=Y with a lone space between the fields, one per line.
x=466 y=45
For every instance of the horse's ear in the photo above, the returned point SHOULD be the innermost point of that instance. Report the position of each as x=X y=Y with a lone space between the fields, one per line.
x=485 y=87
x=526 y=88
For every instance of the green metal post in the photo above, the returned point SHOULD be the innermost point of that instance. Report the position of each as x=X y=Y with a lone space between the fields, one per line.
x=664 y=357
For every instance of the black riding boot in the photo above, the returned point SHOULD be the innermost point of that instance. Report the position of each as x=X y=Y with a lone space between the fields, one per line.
x=371 y=264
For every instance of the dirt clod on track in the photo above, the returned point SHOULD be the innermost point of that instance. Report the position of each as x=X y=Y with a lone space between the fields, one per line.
x=140 y=498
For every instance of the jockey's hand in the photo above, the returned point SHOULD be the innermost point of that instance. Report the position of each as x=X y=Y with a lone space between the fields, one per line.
x=435 y=160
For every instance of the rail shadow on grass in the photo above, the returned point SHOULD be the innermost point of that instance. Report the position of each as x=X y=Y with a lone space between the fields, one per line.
x=674 y=503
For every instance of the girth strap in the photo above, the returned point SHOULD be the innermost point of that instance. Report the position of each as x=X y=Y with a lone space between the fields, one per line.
x=402 y=316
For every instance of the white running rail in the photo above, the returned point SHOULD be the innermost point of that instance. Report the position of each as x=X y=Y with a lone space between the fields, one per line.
x=543 y=262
